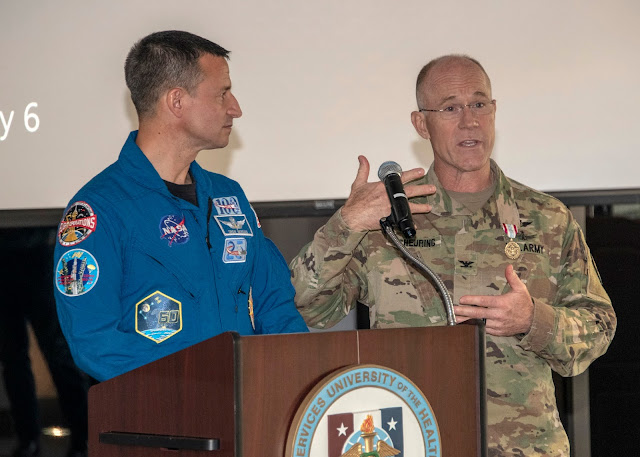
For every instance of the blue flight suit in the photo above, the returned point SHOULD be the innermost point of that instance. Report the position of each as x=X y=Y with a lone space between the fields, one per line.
x=140 y=273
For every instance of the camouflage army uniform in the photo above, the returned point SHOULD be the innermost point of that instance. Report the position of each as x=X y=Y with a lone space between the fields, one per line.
x=573 y=321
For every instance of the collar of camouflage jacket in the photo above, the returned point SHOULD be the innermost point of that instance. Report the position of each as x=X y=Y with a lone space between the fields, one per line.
x=501 y=205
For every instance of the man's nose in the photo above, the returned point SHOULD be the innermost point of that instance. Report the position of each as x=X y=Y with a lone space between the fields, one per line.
x=468 y=118
x=234 y=109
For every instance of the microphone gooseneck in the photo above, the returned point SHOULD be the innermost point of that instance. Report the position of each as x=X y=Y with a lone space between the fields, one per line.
x=444 y=293
x=389 y=173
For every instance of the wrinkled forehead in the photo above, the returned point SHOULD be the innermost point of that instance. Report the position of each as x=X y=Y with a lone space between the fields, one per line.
x=455 y=79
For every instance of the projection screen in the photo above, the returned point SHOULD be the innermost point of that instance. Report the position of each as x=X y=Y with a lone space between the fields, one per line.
x=320 y=83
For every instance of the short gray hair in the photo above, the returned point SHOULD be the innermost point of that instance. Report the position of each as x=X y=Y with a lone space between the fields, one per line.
x=163 y=60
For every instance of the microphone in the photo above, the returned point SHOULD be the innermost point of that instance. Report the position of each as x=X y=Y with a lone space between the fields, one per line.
x=389 y=173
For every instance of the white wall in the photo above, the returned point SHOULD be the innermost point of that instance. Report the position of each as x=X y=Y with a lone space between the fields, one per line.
x=321 y=82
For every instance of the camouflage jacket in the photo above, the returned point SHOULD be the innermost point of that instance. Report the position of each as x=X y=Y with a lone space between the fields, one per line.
x=573 y=321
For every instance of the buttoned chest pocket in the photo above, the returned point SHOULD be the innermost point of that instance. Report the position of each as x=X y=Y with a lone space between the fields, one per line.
x=534 y=266
x=480 y=267
x=399 y=292
x=479 y=263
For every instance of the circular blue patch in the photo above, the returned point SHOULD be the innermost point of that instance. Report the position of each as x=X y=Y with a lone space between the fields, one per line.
x=173 y=229
x=76 y=273
x=359 y=391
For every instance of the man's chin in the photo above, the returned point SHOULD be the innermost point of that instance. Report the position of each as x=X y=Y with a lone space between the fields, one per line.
x=471 y=165
x=223 y=143
x=475 y=161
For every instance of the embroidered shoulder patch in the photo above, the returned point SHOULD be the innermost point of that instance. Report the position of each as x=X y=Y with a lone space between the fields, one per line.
x=235 y=250
x=78 y=223
x=173 y=229
x=158 y=317
x=256 y=215
x=227 y=205
x=76 y=273
x=234 y=225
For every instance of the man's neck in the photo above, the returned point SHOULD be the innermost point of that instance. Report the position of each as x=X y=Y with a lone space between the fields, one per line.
x=467 y=182
x=169 y=157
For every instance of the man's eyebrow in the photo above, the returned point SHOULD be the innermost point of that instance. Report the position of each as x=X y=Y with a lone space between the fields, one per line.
x=478 y=93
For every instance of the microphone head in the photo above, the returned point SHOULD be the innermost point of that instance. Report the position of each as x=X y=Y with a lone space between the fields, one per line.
x=388 y=168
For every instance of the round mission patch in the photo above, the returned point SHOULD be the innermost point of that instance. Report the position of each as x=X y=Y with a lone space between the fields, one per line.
x=76 y=272
x=77 y=224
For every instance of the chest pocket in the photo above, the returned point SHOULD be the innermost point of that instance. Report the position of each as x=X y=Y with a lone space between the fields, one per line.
x=479 y=262
x=423 y=300
x=150 y=267
x=534 y=267
x=486 y=275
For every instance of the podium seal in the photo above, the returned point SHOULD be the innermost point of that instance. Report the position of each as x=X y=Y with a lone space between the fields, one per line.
x=364 y=411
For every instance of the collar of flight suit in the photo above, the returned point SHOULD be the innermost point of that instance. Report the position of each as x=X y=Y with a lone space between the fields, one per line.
x=137 y=166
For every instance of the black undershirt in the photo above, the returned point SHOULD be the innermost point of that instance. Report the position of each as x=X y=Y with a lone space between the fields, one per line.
x=186 y=192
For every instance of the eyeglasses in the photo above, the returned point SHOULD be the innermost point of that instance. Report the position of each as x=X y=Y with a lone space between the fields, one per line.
x=455 y=111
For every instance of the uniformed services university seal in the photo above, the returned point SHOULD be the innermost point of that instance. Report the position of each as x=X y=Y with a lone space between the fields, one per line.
x=364 y=411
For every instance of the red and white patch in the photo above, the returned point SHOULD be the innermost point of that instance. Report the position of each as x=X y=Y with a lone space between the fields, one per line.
x=77 y=224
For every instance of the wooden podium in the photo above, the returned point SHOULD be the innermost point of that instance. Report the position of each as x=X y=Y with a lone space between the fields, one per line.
x=237 y=396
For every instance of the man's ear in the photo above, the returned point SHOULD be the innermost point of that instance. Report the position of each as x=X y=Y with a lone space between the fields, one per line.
x=420 y=124
x=175 y=101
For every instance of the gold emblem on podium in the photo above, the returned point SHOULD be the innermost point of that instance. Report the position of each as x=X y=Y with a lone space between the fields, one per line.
x=368 y=434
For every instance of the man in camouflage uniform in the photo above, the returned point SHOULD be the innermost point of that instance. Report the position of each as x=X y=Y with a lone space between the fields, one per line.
x=543 y=302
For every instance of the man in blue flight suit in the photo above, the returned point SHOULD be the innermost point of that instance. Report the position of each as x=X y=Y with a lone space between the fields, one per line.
x=156 y=254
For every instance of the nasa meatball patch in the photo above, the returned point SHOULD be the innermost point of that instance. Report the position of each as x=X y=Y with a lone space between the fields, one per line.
x=173 y=230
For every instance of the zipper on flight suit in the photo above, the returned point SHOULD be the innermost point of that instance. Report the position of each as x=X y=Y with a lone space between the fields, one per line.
x=209 y=210
x=240 y=291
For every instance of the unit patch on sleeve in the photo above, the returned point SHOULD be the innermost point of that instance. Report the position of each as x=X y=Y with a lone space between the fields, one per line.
x=77 y=224
x=227 y=205
x=235 y=250
x=234 y=225
x=158 y=317
x=76 y=273
x=173 y=229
